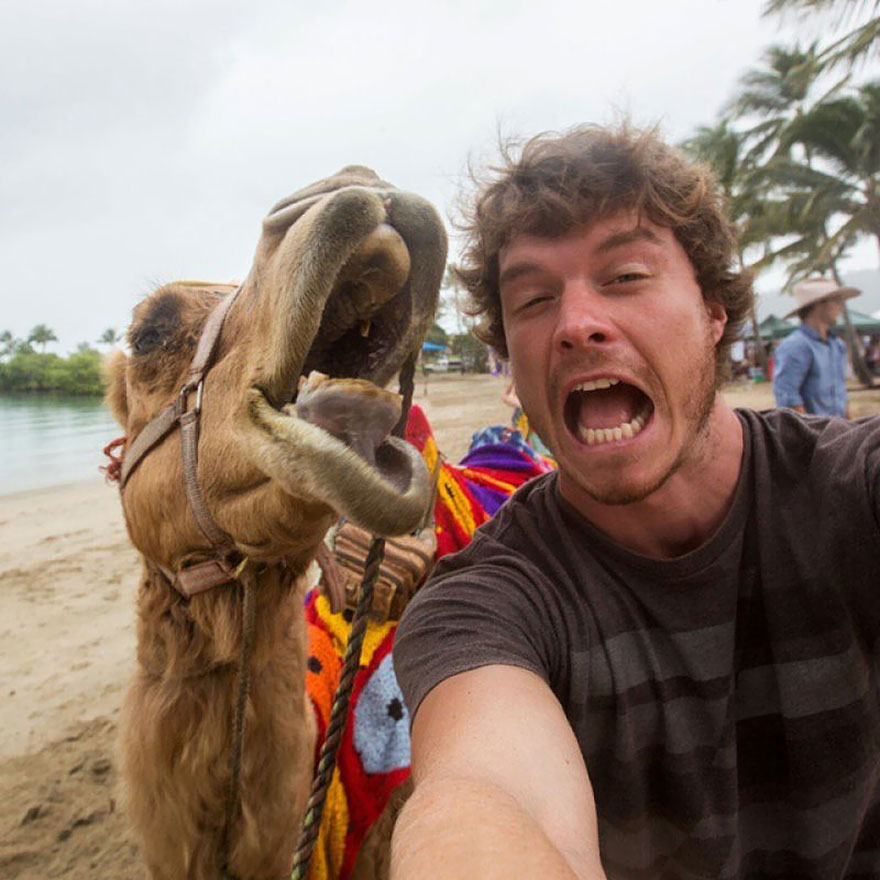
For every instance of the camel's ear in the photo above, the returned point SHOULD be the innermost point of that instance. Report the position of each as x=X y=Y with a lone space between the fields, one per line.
x=115 y=398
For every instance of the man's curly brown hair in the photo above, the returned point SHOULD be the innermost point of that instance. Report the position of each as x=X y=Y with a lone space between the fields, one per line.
x=558 y=182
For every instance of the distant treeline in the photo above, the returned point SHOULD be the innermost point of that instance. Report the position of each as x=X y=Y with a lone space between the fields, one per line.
x=78 y=373
x=23 y=368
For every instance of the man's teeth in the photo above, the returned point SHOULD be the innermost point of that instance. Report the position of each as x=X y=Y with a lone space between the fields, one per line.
x=627 y=430
x=596 y=384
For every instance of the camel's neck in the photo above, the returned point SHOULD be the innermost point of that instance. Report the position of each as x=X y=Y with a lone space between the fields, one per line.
x=180 y=638
x=177 y=727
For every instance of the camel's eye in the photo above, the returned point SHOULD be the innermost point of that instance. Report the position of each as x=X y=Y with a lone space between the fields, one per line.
x=146 y=340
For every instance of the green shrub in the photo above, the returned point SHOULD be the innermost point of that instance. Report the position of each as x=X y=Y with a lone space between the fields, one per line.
x=79 y=373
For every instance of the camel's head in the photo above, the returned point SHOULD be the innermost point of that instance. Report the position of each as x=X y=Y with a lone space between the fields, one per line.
x=344 y=283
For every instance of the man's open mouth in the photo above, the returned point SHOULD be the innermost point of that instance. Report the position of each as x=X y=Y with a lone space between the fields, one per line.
x=607 y=410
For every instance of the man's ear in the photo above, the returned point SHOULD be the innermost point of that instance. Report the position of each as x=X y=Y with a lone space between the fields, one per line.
x=115 y=397
x=717 y=319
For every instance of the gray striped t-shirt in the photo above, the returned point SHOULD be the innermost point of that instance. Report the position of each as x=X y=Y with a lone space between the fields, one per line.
x=726 y=701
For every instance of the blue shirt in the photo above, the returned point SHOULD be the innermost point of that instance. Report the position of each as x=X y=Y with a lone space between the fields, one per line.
x=811 y=372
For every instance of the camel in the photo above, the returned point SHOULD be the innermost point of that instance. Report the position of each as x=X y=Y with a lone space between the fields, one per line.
x=344 y=283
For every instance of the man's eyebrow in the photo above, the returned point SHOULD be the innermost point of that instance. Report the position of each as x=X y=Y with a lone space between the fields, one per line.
x=517 y=270
x=619 y=239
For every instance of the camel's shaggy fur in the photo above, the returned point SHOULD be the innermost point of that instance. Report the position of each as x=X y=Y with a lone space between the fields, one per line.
x=275 y=483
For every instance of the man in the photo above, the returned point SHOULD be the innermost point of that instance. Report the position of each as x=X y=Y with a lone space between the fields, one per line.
x=661 y=660
x=810 y=372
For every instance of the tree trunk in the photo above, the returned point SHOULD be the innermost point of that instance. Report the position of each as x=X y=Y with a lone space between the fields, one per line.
x=853 y=341
x=759 y=343
x=753 y=313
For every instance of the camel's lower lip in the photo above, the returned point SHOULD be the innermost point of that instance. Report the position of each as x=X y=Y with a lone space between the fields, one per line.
x=386 y=495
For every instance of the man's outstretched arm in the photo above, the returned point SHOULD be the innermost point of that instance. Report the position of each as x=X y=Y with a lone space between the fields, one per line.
x=501 y=789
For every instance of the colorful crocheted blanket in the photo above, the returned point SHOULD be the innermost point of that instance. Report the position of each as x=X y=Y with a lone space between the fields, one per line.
x=373 y=756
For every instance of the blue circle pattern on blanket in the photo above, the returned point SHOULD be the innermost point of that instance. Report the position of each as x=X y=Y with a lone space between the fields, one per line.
x=381 y=722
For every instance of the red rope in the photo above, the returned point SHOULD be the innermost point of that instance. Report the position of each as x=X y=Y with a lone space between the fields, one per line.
x=113 y=470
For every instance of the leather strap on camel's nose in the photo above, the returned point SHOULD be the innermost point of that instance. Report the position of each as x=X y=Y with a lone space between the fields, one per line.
x=223 y=567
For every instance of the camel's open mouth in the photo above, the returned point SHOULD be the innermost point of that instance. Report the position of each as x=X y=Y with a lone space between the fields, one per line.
x=365 y=317
x=363 y=320
x=368 y=311
x=331 y=440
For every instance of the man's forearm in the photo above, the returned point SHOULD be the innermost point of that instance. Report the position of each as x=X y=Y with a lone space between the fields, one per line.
x=457 y=829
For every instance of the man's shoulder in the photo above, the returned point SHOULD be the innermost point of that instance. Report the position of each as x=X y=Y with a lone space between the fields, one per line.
x=785 y=427
x=813 y=446
x=797 y=339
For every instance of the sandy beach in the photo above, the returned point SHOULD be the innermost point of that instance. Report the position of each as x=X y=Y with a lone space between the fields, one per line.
x=68 y=578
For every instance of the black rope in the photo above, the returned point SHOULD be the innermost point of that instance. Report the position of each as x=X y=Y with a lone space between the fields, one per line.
x=405 y=388
x=339 y=711
x=338 y=714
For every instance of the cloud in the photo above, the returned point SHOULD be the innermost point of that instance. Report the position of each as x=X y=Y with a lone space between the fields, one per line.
x=143 y=142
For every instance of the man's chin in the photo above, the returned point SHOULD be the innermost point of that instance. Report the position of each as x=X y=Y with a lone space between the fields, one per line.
x=627 y=489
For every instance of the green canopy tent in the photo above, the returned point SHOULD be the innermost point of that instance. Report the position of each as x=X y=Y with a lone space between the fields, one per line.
x=770 y=328
x=777 y=328
x=863 y=324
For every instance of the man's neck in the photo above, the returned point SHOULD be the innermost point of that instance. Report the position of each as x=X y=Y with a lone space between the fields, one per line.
x=820 y=326
x=688 y=508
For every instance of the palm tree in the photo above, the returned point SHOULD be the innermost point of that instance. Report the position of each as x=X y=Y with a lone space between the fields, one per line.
x=722 y=148
x=41 y=334
x=7 y=343
x=109 y=337
x=844 y=136
x=858 y=43
x=778 y=93
x=838 y=180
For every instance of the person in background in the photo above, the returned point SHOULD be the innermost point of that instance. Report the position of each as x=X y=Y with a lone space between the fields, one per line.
x=810 y=374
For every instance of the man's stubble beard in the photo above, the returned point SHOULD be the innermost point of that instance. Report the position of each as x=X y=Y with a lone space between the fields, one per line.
x=700 y=402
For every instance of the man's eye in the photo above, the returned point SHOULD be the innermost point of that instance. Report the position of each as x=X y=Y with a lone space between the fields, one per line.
x=529 y=302
x=627 y=277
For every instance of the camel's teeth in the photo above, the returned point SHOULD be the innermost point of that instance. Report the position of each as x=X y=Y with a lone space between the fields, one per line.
x=365 y=328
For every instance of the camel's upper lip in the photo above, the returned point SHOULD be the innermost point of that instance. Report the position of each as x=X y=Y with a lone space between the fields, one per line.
x=358 y=335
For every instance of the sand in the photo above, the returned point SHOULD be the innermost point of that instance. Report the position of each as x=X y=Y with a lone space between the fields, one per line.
x=68 y=578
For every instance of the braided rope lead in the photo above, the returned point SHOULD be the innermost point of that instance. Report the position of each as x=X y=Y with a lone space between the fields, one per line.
x=248 y=621
x=338 y=714
x=339 y=711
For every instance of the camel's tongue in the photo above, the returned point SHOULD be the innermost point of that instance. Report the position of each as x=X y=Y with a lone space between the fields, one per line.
x=352 y=410
x=608 y=407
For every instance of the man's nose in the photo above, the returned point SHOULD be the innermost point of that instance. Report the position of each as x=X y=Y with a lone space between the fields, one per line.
x=583 y=318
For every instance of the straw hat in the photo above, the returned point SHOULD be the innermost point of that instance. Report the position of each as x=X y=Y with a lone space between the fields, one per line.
x=814 y=290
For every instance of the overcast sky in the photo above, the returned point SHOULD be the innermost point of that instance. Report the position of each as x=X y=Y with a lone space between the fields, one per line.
x=143 y=142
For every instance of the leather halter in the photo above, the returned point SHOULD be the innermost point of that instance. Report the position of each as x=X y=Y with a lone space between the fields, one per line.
x=226 y=563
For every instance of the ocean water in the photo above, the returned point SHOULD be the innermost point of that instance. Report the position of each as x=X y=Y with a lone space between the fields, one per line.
x=50 y=439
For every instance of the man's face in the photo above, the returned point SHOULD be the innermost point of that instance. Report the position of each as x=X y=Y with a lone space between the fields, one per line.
x=829 y=310
x=613 y=353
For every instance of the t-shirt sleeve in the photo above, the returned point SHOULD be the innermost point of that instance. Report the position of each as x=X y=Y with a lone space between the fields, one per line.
x=481 y=607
